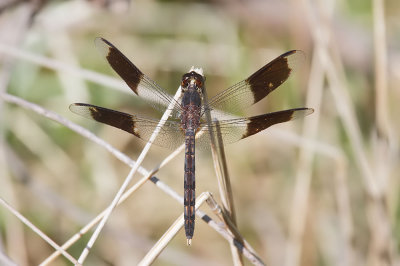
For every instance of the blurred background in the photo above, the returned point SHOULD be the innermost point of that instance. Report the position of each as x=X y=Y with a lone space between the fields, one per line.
x=323 y=190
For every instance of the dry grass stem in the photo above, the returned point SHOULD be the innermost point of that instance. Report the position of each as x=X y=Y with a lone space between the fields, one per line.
x=377 y=211
x=78 y=129
x=128 y=179
x=37 y=230
x=344 y=211
x=62 y=67
x=380 y=56
x=221 y=171
x=6 y=261
x=125 y=159
x=124 y=197
x=329 y=195
x=226 y=219
x=14 y=239
x=299 y=209
x=169 y=234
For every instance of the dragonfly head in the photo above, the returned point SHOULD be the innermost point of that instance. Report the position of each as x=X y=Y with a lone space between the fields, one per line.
x=193 y=80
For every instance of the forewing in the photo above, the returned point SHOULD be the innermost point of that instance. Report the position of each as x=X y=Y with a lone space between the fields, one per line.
x=257 y=86
x=140 y=84
x=170 y=136
x=233 y=130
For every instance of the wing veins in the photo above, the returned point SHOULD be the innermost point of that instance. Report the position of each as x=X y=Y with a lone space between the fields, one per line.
x=138 y=82
x=258 y=85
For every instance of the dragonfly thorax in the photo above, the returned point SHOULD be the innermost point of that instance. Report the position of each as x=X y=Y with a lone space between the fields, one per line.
x=191 y=104
x=235 y=98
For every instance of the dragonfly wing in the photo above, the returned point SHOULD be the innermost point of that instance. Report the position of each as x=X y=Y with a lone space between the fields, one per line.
x=253 y=89
x=139 y=83
x=170 y=136
x=233 y=130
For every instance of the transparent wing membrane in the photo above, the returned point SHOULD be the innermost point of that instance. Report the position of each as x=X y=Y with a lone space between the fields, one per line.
x=139 y=83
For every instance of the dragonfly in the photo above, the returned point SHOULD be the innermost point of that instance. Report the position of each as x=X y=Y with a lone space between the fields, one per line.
x=189 y=121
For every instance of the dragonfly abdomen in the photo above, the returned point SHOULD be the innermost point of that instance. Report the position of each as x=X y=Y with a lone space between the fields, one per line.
x=189 y=183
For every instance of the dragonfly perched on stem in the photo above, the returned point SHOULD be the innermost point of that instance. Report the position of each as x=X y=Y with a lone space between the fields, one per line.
x=188 y=116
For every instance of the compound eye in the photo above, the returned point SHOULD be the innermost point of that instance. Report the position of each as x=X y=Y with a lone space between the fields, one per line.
x=184 y=82
x=199 y=83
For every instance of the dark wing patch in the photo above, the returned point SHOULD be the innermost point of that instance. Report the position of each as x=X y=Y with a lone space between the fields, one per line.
x=233 y=130
x=120 y=63
x=170 y=136
x=258 y=123
x=257 y=86
x=273 y=74
x=139 y=83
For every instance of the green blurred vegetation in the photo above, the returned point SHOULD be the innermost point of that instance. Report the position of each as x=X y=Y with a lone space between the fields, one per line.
x=71 y=179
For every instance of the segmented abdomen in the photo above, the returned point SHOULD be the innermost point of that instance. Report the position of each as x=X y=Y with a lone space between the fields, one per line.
x=189 y=183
